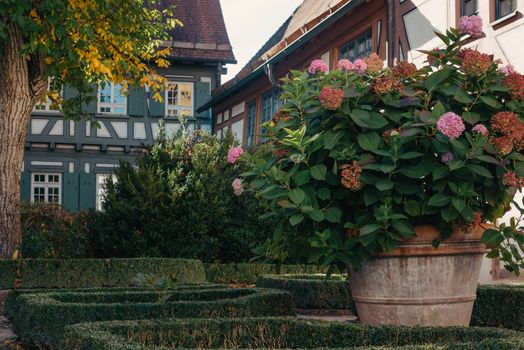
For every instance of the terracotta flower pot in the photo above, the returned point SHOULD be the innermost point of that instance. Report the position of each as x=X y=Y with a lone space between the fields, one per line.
x=417 y=284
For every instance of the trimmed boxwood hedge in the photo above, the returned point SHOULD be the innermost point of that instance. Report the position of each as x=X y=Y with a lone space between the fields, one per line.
x=81 y=273
x=314 y=291
x=247 y=273
x=40 y=318
x=277 y=333
x=12 y=301
x=499 y=306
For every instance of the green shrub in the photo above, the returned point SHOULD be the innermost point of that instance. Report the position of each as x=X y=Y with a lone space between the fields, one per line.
x=247 y=273
x=50 y=232
x=12 y=300
x=40 y=318
x=178 y=201
x=312 y=291
x=80 y=273
x=499 y=306
x=277 y=333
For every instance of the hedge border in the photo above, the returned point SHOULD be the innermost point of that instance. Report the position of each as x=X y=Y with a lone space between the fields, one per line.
x=247 y=273
x=12 y=301
x=40 y=318
x=499 y=306
x=81 y=273
x=312 y=291
x=284 y=333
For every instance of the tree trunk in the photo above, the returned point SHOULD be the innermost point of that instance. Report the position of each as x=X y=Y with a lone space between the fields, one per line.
x=20 y=87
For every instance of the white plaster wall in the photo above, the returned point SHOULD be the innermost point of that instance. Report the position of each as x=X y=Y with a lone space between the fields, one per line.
x=237 y=129
x=506 y=43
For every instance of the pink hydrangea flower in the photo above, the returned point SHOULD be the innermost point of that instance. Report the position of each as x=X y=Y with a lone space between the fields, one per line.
x=317 y=66
x=451 y=125
x=480 y=129
x=447 y=157
x=238 y=187
x=360 y=66
x=471 y=25
x=507 y=69
x=345 y=65
x=233 y=154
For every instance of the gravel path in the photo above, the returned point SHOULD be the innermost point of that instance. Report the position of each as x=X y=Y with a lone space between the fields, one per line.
x=7 y=337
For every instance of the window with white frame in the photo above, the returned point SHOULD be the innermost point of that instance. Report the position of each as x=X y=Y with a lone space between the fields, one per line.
x=100 y=188
x=111 y=99
x=47 y=104
x=46 y=187
x=179 y=99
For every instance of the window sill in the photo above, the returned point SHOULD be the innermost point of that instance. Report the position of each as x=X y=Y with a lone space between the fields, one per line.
x=503 y=21
x=111 y=115
x=47 y=113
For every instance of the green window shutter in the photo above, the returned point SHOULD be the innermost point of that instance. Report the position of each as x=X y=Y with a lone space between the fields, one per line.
x=90 y=107
x=25 y=186
x=135 y=101
x=71 y=191
x=202 y=96
x=70 y=92
x=87 y=193
x=156 y=109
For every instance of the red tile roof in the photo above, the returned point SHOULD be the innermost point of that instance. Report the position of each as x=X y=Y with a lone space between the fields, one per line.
x=204 y=35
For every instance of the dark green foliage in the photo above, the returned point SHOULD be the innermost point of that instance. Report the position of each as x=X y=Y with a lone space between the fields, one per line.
x=79 y=273
x=12 y=300
x=499 y=306
x=40 y=318
x=248 y=273
x=51 y=232
x=312 y=291
x=281 y=333
x=8 y=273
x=178 y=201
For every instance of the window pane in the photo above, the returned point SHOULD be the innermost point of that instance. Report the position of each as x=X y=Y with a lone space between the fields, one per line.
x=469 y=7
x=504 y=7
x=119 y=97
x=251 y=116
x=105 y=93
x=357 y=48
x=172 y=94
x=185 y=94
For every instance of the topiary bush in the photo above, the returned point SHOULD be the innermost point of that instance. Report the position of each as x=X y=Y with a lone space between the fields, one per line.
x=312 y=291
x=276 y=333
x=41 y=318
x=13 y=301
x=247 y=273
x=82 y=273
x=499 y=306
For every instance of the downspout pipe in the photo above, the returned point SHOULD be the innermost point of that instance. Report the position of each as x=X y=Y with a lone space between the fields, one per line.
x=268 y=69
x=390 y=35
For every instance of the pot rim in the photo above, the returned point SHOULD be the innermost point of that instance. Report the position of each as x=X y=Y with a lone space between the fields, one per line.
x=459 y=243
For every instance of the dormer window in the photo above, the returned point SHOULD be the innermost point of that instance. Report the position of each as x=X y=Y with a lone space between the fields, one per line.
x=111 y=99
x=179 y=99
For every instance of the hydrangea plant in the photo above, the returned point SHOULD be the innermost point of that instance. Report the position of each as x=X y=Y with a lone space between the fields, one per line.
x=363 y=153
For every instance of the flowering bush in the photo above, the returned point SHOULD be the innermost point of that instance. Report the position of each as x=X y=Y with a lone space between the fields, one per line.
x=438 y=145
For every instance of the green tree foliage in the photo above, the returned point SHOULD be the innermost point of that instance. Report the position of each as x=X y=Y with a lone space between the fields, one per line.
x=178 y=201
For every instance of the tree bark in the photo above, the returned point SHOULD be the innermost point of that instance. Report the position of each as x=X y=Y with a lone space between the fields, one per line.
x=21 y=84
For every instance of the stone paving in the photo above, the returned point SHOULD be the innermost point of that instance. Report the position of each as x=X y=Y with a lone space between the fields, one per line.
x=327 y=315
x=8 y=340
